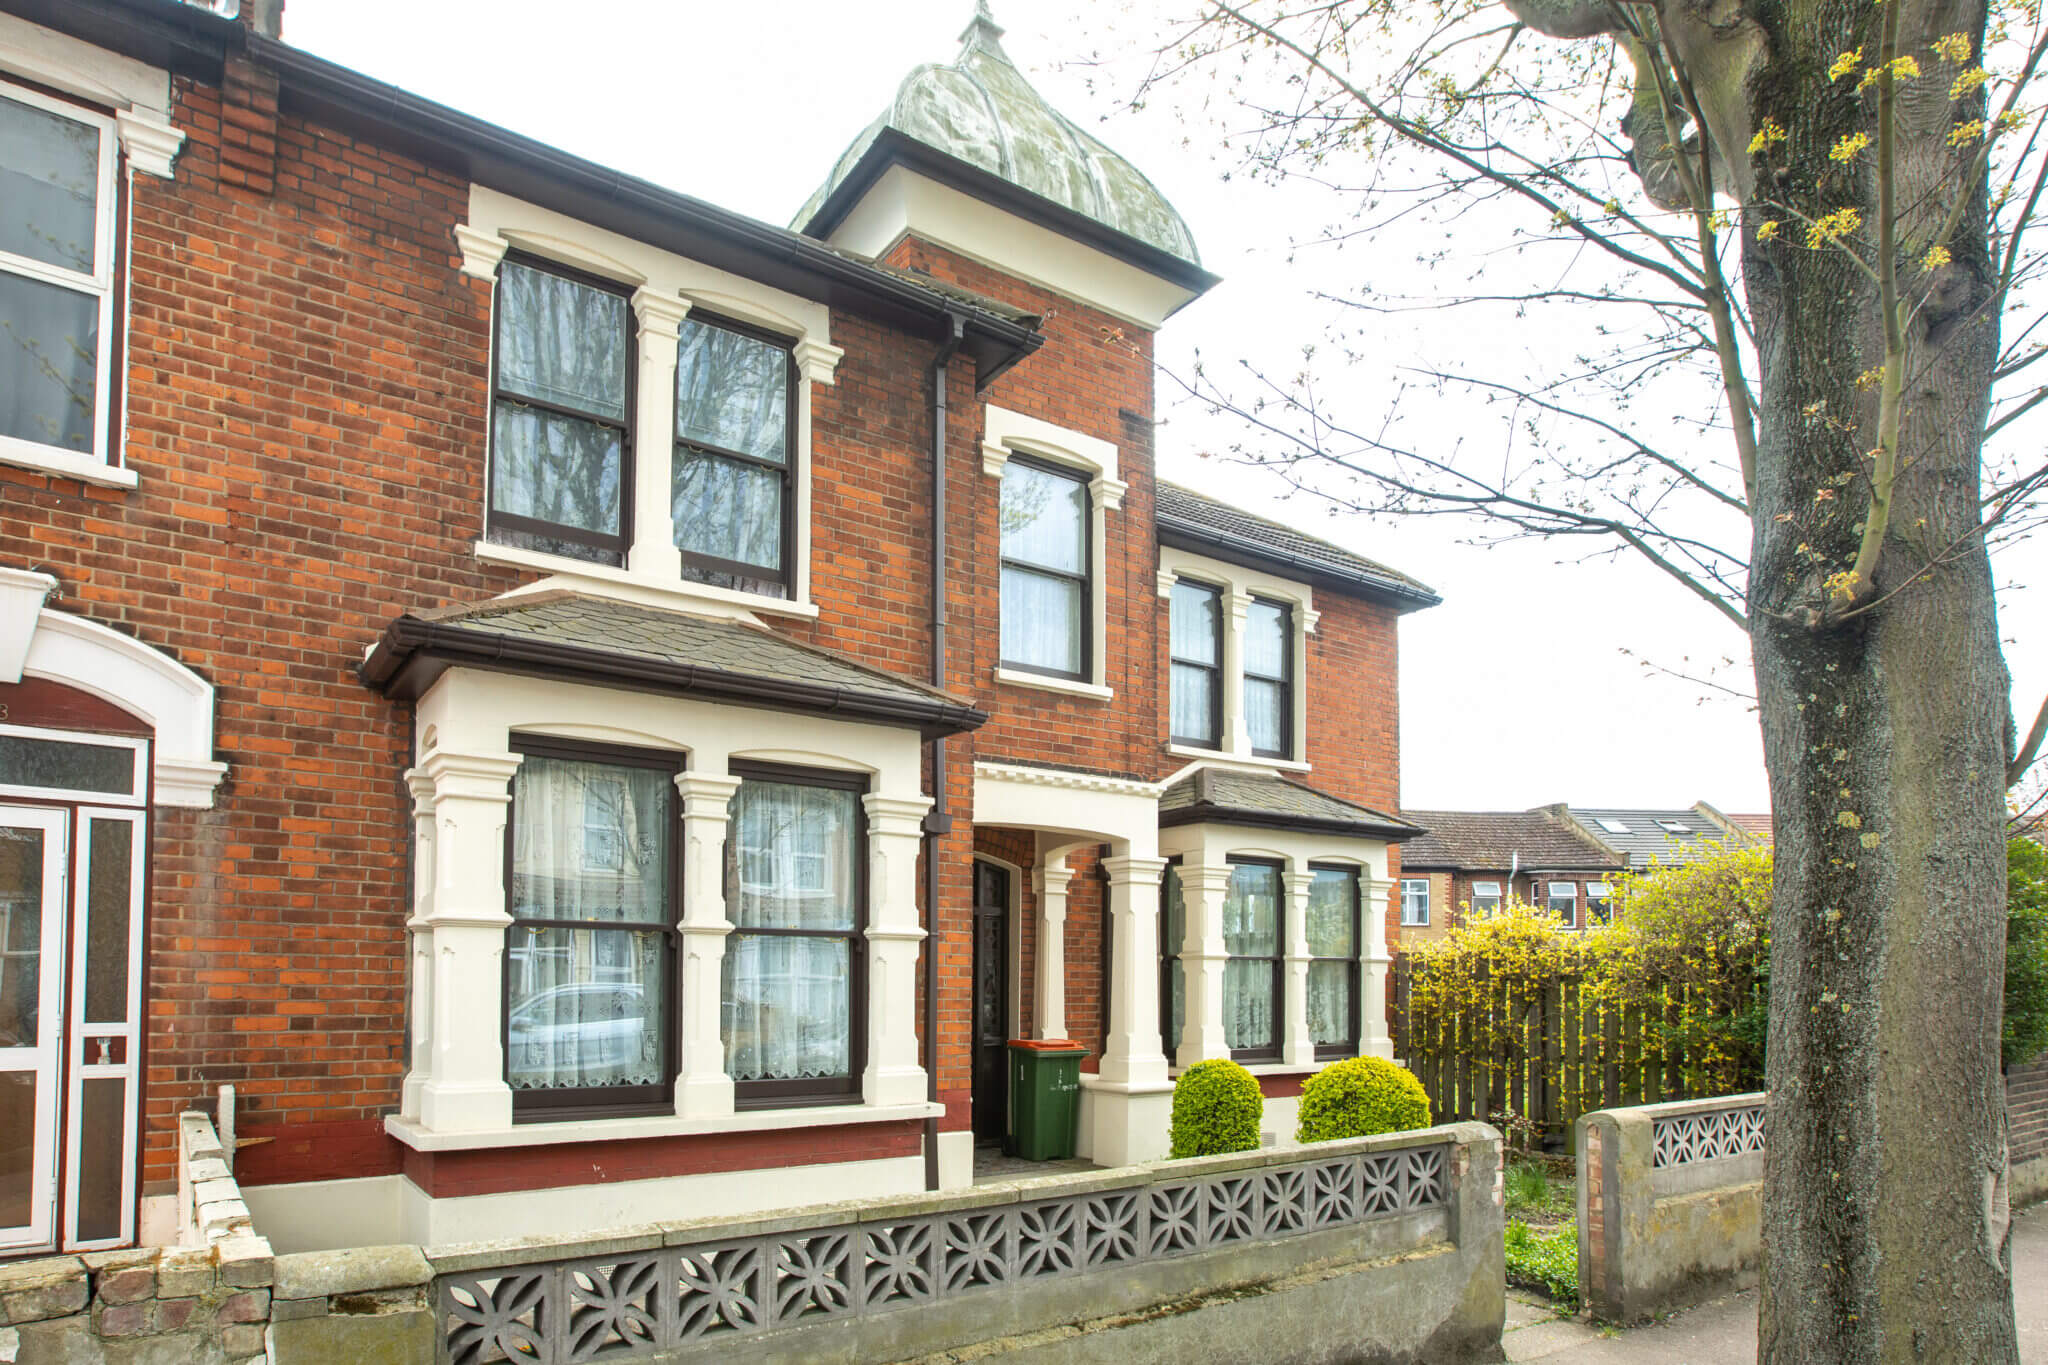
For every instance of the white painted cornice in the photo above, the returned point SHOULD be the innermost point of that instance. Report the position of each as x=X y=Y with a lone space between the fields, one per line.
x=481 y=251
x=151 y=143
x=1067 y=779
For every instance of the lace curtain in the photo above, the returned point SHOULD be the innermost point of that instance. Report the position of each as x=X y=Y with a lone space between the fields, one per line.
x=591 y=867
x=1266 y=650
x=1332 y=934
x=1251 y=935
x=1195 y=624
x=788 y=973
x=1044 y=520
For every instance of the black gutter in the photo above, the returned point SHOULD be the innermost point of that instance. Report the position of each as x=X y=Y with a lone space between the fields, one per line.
x=937 y=820
x=181 y=38
x=1198 y=539
x=412 y=653
x=1208 y=814
x=504 y=160
x=892 y=147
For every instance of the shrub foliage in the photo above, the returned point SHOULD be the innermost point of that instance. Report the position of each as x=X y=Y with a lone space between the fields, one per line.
x=2026 y=953
x=1358 y=1098
x=1216 y=1108
x=1548 y=1261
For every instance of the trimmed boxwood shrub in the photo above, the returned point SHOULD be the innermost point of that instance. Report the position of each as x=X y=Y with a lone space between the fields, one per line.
x=1216 y=1108
x=1358 y=1098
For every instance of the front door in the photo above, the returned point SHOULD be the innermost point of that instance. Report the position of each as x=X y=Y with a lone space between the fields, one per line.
x=33 y=864
x=991 y=1002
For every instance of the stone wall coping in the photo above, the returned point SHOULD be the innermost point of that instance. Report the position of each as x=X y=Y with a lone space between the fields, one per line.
x=461 y=1258
x=1672 y=1109
x=355 y=1270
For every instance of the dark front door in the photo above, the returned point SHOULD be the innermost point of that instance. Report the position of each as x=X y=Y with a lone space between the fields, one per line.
x=991 y=1002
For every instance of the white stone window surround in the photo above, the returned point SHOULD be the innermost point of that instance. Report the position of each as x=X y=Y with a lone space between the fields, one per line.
x=1239 y=586
x=1006 y=433
x=130 y=105
x=1204 y=851
x=455 y=1096
x=666 y=288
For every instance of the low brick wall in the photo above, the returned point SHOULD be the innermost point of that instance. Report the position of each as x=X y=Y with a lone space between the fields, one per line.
x=1670 y=1204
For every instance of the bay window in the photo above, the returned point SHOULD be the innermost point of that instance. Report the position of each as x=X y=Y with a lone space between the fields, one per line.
x=1415 y=901
x=1196 y=631
x=793 y=967
x=57 y=197
x=592 y=887
x=1253 y=938
x=561 y=435
x=1269 y=678
x=1564 y=902
x=1334 y=933
x=734 y=438
x=1046 y=590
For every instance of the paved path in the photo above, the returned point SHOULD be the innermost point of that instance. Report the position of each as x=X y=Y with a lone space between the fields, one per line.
x=1725 y=1330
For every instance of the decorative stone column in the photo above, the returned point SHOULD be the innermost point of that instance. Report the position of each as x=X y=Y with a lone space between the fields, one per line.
x=1373 y=1040
x=465 y=1089
x=1131 y=1054
x=1049 y=883
x=702 y=1087
x=1203 y=888
x=653 y=551
x=1297 y=1048
x=420 y=941
x=895 y=834
x=1235 y=740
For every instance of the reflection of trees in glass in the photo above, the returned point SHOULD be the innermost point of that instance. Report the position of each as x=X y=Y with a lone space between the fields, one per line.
x=732 y=391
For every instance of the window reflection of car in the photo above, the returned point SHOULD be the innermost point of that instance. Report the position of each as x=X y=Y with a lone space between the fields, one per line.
x=585 y=1024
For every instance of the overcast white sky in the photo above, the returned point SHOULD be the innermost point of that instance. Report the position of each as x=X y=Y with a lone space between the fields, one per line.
x=1515 y=692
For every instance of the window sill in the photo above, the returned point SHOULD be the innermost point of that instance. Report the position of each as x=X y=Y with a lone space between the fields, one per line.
x=1222 y=759
x=64 y=465
x=420 y=1139
x=1046 y=682
x=602 y=580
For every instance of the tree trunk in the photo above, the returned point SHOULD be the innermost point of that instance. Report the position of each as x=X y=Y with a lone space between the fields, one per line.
x=1884 y=1219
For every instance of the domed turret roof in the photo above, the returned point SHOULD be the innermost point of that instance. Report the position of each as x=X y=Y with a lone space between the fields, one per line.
x=981 y=110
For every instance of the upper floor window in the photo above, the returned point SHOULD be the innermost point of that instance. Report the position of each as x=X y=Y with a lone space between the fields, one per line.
x=793 y=963
x=56 y=282
x=1196 y=629
x=1253 y=936
x=1564 y=902
x=730 y=476
x=1269 y=678
x=1334 y=924
x=561 y=435
x=590 y=955
x=1415 y=900
x=1045 y=570
x=1485 y=898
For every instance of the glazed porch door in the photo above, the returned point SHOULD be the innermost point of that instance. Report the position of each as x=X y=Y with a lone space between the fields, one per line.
x=33 y=863
x=991 y=1003
x=70 y=1010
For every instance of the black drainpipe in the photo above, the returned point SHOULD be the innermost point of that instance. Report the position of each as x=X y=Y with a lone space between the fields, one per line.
x=937 y=821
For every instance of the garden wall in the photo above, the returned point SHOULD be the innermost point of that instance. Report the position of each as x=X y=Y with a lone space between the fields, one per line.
x=2026 y=1108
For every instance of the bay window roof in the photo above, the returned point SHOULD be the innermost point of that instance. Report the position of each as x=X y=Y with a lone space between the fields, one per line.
x=1189 y=521
x=1228 y=796
x=606 y=643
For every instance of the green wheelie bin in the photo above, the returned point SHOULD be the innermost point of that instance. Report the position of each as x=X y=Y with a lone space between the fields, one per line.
x=1045 y=1097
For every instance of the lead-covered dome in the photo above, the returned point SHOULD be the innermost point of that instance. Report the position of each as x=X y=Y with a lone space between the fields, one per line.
x=982 y=110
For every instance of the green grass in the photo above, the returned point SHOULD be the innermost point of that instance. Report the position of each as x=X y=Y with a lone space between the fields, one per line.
x=1541 y=1191
x=1527 y=1186
x=1548 y=1261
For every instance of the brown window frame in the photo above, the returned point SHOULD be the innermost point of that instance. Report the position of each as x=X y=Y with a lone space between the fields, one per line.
x=494 y=520
x=1086 y=578
x=609 y=1101
x=703 y=568
x=1215 y=670
x=1277 y=1049
x=1285 y=679
x=1168 y=1044
x=816 y=1091
x=1347 y=1047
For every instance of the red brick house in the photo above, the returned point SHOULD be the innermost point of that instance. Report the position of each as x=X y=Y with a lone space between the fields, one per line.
x=585 y=707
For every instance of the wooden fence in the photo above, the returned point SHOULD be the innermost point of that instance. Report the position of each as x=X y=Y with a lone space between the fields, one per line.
x=1546 y=1052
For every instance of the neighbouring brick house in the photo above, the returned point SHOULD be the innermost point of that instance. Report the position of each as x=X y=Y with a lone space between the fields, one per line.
x=586 y=707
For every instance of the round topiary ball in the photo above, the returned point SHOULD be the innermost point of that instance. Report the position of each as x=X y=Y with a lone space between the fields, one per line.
x=1358 y=1098
x=1216 y=1108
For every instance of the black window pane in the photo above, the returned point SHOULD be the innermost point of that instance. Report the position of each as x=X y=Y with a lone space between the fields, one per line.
x=556 y=469
x=58 y=764
x=1041 y=623
x=49 y=363
x=110 y=868
x=727 y=509
x=102 y=1123
x=49 y=186
x=732 y=391
x=1044 y=519
x=562 y=342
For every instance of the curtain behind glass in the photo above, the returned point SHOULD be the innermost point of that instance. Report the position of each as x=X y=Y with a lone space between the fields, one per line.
x=1251 y=929
x=1196 y=629
x=732 y=392
x=1044 y=519
x=1041 y=620
x=788 y=1006
x=49 y=187
x=1332 y=933
x=590 y=844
